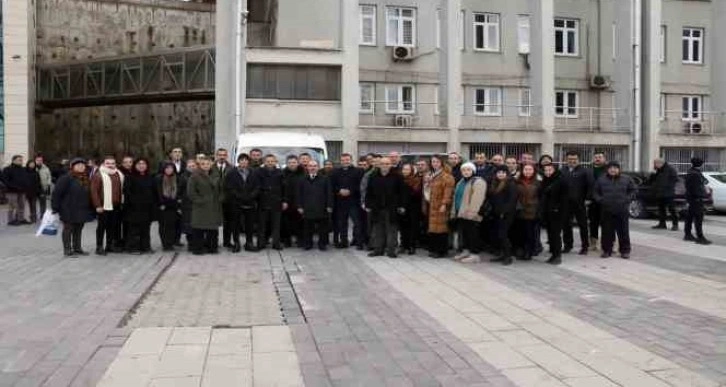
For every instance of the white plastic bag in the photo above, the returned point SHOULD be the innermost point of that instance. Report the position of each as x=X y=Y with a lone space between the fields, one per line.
x=48 y=225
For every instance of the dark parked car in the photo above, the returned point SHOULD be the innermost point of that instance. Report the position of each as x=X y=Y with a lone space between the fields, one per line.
x=644 y=205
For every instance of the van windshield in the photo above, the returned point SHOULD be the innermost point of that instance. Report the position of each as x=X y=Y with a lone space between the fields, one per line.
x=281 y=152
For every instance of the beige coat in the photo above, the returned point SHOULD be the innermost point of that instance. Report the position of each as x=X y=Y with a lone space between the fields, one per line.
x=475 y=193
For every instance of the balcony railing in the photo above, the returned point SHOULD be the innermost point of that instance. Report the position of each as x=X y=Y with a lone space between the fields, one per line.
x=592 y=119
x=692 y=123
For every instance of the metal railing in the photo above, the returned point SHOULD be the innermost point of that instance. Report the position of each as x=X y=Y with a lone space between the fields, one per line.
x=692 y=123
x=592 y=119
x=178 y=75
x=503 y=117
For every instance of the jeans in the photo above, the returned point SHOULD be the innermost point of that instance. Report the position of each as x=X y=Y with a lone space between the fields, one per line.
x=16 y=207
x=578 y=211
x=612 y=224
x=695 y=218
x=109 y=223
x=243 y=217
x=345 y=209
x=269 y=219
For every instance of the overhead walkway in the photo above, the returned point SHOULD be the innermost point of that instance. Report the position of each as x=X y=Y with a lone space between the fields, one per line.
x=180 y=75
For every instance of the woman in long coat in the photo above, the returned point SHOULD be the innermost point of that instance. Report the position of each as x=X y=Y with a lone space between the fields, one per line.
x=528 y=209
x=469 y=196
x=140 y=207
x=203 y=191
x=169 y=198
x=503 y=198
x=410 y=221
x=439 y=192
x=72 y=201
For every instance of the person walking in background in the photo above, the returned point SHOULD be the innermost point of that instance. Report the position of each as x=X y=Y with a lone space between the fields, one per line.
x=503 y=198
x=168 y=190
x=46 y=182
x=292 y=224
x=218 y=172
x=410 y=220
x=695 y=194
x=439 y=191
x=553 y=201
x=385 y=201
x=186 y=203
x=71 y=201
x=579 y=185
x=107 y=188
x=33 y=189
x=271 y=204
x=599 y=168
x=664 y=188
x=204 y=193
x=140 y=202
x=345 y=181
x=242 y=189
x=315 y=198
x=16 y=184
x=613 y=191
x=528 y=209
x=469 y=196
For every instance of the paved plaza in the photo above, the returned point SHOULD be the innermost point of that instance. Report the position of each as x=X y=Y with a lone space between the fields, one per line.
x=339 y=318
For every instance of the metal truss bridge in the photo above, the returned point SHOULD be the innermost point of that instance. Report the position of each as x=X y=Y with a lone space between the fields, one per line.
x=180 y=75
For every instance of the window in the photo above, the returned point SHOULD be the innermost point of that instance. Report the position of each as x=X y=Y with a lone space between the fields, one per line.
x=662 y=107
x=460 y=37
x=271 y=81
x=523 y=33
x=400 y=99
x=615 y=42
x=488 y=101
x=663 y=43
x=525 y=102
x=566 y=37
x=693 y=45
x=566 y=104
x=400 y=26
x=368 y=25
x=692 y=108
x=436 y=101
x=367 y=98
x=486 y=31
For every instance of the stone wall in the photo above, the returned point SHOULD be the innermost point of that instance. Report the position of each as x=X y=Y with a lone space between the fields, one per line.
x=77 y=30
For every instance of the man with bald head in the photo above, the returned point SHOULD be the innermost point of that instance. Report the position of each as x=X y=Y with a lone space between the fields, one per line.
x=664 y=181
x=385 y=201
x=395 y=158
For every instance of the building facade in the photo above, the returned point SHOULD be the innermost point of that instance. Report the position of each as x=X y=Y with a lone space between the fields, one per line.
x=633 y=78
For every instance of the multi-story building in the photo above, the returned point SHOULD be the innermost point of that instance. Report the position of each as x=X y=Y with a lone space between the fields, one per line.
x=634 y=78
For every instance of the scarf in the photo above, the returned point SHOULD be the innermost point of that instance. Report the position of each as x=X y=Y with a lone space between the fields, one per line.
x=168 y=187
x=108 y=186
x=459 y=193
x=81 y=177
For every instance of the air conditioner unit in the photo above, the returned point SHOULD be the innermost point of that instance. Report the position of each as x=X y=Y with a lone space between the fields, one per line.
x=693 y=128
x=403 y=121
x=599 y=82
x=402 y=54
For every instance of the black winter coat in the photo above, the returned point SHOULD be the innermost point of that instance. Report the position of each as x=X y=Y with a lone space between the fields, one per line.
x=579 y=183
x=271 y=188
x=240 y=193
x=386 y=193
x=169 y=203
x=291 y=181
x=504 y=201
x=553 y=195
x=140 y=198
x=186 y=203
x=664 y=182
x=695 y=185
x=16 y=179
x=33 y=183
x=614 y=193
x=315 y=196
x=347 y=178
x=71 y=200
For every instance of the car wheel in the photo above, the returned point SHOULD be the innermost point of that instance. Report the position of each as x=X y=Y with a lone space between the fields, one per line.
x=637 y=209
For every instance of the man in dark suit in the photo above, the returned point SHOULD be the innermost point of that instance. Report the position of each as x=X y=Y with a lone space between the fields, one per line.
x=315 y=195
x=241 y=189
x=345 y=181
x=270 y=203
x=385 y=200
x=175 y=157
x=219 y=171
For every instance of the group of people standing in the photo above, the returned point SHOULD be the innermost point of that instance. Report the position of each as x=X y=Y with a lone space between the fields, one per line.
x=26 y=184
x=438 y=203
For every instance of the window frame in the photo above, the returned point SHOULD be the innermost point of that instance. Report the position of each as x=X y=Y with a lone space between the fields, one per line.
x=400 y=103
x=374 y=24
x=565 y=107
x=565 y=33
x=692 y=115
x=662 y=106
x=691 y=40
x=487 y=104
x=485 y=34
x=524 y=110
x=461 y=29
x=372 y=101
x=663 y=43
x=400 y=21
x=524 y=47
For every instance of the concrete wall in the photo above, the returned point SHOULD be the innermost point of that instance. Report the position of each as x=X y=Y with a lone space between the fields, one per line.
x=677 y=76
x=309 y=23
x=75 y=30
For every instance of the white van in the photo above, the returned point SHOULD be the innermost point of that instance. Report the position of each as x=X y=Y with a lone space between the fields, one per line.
x=283 y=144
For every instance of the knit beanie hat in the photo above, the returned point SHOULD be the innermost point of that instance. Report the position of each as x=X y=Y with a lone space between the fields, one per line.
x=614 y=164
x=77 y=160
x=697 y=162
